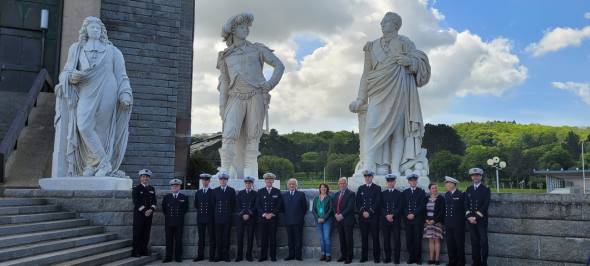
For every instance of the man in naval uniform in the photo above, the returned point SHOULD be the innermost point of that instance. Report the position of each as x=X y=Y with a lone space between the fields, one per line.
x=244 y=95
x=246 y=207
x=391 y=220
x=454 y=222
x=144 y=204
x=204 y=208
x=174 y=206
x=224 y=198
x=477 y=200
x=413 y=209
x=268 y=206
x=368 y=199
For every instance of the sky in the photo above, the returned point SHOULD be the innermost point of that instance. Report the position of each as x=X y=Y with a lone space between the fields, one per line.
x=521 y=60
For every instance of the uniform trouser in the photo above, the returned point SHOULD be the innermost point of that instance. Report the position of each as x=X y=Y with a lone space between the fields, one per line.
x=202 y=231
x=222 y=237
x=174 y=241
x=455 y=237
x=391 y=230
x=370 y=226
x=248 y=229
x=268 y=237
x=142 y=227
x=414 y=232
x=479 y=242
x=294 y=239
x=345 y=236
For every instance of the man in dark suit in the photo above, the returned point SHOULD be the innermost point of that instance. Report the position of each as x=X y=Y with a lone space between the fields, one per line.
x=204 y=208
x=144 y=204
x=391 y=221
x=368 y=197
x=295 y=208
x=477 y=200
x=454 y=221
x=344 y=215
x=246 y=204
x=224 y=198
x=174 y=206
x=268 y=206
x=413 y=209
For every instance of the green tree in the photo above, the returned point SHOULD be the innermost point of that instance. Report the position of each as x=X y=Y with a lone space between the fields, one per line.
x=556 y=158
x=442 y=137
x=277 y=145
x=281 y=167
x=572 y=145
x=444 y=163
x=344 y=142
x=477 y=156
x=311 y=162
x=197 y=165
x=338 y=162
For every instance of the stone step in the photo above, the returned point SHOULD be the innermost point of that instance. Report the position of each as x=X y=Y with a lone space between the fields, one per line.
x=99 y=259
x=14 y=210
x=28 y=238
x=41 y=226
x=70 y=254
x=16 y=252
x=131 y=261
x=36 y=217
x=5 y=202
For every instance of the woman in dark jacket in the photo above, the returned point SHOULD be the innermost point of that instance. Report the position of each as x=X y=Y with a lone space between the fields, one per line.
x=322 y=211
x=435 y=207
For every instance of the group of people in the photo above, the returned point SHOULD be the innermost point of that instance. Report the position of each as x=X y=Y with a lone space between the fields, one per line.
x=377 y=211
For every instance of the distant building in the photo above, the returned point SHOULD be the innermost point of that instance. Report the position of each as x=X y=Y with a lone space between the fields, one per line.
x=565 y=181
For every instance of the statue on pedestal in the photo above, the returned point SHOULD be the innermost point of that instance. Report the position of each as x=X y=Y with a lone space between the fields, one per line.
x=244 y=96
x=390 y=120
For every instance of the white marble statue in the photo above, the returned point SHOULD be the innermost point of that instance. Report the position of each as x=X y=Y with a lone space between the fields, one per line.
x=388 y=106
x=93 y=107
x=244 y=96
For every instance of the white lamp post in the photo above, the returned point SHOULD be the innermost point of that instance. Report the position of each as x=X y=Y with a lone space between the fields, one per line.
x=498 y=165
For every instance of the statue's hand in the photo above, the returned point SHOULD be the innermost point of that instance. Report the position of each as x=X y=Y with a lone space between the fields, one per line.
x=266 y=86
x=403 y=60
x=125 y=100
x=76 y=76
x=355 y=106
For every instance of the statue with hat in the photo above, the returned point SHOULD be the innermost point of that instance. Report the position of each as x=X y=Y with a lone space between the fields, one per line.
x=244 y=95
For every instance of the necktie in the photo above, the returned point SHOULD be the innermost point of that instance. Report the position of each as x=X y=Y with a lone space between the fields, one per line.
x=339 y=201
x=291 y=193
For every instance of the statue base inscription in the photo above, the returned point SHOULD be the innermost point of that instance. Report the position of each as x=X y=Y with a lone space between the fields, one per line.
x=86 y=183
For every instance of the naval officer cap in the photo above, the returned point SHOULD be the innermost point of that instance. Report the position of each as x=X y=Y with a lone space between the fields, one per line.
x=449 y=179
x=223 y=175
x=390 y=177
x=205 y=176
x=175 y=181
x=475 y=171
x=145 y=172
x=269 y=175
x=249 y=179
x=412 y=176
x=368 y=173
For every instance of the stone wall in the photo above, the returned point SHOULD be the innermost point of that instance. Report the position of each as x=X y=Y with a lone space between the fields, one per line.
x=155 y=37
x=525 y=229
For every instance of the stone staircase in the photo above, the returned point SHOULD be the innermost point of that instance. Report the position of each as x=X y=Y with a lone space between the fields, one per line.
x=34 y=231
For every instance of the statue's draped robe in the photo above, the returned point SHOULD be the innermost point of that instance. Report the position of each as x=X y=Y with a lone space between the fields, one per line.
x=93 y=103
x=391 y=96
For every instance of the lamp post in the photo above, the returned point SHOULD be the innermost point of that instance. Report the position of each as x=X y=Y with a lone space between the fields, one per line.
x=498 y=165
x=44 y=25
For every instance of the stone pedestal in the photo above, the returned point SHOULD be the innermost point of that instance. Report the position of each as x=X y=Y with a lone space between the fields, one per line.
x=401 y=182
x=238 y=184
x=86 y=183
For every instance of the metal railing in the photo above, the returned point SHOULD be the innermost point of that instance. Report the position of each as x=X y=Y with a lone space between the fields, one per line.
x=21 y=119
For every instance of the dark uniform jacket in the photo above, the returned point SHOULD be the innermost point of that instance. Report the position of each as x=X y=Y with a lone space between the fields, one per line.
x=454 y=209
x=368 y=199
x=391 y=203
x=144 y=196
x=174 y=209
x=204 y=205
x=414 y=203
x=294 y=207
x=268 y=202
x=224 y=204
x=246 y=204
x=346 y=207
x=477 y=202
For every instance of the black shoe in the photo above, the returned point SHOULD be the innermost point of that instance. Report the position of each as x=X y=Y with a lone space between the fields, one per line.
x=178 y=260
x=273 y=259
x=289 y=258
x=299 y=259
x=386 y=260
x=238 y=259
x=166 y=260
x=347 y=261
x=198 y=258
x=135 y=255
x=430 y=262
x=363 y=260
x=249 y=258
x=227 y=260
x=396 y=262
x=262 y=259
x=436 y=262
x=328 y=258
x=341 y=259
x=377 y=261
x=409 y=261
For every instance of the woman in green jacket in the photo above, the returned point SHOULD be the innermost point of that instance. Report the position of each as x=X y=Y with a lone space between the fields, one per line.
x=322 y=211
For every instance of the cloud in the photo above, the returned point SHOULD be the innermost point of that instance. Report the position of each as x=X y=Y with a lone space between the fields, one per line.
x=580 y=89
x=315 y=91
x=587 y=15
x=559 y=38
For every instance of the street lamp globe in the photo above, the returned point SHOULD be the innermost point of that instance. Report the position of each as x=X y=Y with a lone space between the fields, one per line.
x=496 y=159
x=490 y=162
x=502 y=164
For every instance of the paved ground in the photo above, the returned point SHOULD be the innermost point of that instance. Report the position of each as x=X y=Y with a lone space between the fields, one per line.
x=278 y=262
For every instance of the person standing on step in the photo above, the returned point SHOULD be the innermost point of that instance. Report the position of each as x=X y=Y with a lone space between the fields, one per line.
x=144 y=204
x=246 y=204
x=268 y=206
x=205 y=225
x=295 y=207
x=368 y=200
x=174 y=206
x=454 y=222
x=391 y=221
x=413 y=209
x=344 y=215
x=477 y=200
x=224 y=198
